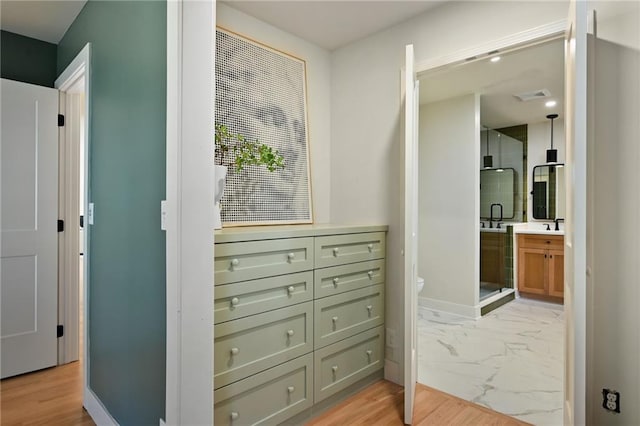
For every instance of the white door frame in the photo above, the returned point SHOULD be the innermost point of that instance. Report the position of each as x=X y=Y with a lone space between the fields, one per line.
x=525 y=38
x=69 y=211
x=188 y=212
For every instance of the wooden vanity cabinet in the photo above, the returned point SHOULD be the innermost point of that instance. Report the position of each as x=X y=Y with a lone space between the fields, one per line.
x=541 y=265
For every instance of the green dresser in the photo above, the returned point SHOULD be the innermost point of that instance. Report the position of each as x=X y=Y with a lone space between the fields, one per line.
x=299 y=317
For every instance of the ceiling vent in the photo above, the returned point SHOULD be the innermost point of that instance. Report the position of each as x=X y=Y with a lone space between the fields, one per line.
x=535 y=94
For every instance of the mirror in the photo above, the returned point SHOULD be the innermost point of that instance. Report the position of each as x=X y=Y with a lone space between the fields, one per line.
x=497 y=186
x=548 y=192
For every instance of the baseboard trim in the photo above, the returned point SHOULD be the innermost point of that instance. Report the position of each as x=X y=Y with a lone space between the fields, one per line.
x=392 y=371
x=96 y=409
x=472 y=312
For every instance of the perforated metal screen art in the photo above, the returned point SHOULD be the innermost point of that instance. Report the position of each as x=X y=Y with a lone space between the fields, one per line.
x=261 y=94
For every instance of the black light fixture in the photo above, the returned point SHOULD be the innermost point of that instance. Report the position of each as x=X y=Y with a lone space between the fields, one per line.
x=499 y=169
x=488 y=159
x=552 y=154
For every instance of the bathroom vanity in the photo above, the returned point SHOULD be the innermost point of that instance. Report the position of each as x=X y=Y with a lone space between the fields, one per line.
x=541 y=265
x=299 y=318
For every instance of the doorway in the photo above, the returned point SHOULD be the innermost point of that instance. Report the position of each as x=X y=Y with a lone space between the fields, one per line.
x=469 y=340
x=74 y=207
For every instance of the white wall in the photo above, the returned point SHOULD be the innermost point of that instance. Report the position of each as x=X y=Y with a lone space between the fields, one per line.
x=448 y=203
x=613 y=230
x=318 y=95
x=366 y=139
x=538 y=141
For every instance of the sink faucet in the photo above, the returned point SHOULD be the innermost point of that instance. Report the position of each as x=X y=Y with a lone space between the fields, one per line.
x=491 y=218
x=558 y=220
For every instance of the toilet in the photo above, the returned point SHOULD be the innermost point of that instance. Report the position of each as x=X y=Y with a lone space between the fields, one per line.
x=420 y=282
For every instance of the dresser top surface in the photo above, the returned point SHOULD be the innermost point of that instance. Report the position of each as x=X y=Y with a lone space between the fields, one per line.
x=248 y=233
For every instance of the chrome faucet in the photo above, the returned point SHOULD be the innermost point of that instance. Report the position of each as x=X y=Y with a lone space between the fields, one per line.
x=556 y=222
x=491 y=218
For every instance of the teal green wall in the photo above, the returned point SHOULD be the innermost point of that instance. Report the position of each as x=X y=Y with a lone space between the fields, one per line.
x=27 y=59
x=127 y=304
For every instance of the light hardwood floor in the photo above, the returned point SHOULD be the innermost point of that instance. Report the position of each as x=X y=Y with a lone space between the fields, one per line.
x=382 y=404
x=47 y=397
x=54 y=397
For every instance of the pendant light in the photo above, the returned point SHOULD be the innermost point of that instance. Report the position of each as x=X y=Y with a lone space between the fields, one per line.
x=552 y=154
x=488 y=159
x=499 y=169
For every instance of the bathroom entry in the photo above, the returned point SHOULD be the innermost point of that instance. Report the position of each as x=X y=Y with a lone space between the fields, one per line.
x=478 y=125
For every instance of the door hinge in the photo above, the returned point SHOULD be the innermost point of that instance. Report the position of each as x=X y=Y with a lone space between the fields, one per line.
x=60 y=330
x=60 y=225
x=60 y=120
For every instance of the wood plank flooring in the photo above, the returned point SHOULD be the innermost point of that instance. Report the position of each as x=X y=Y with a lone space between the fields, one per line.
x=382 y=404
x=48 y=397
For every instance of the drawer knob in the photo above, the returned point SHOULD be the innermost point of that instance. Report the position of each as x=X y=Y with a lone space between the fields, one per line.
x=291 y=256
x=290 y=333
x=235 y=262
x=291 y=289
x=335 y=251
x=334 y=368
x=234 y=351
x=234 y=415
x=370 y=247
x=370 y=273
x=369 y=308
x=335 y=281
x=369 y=353
x=548 y=242
x=334 y=319
x=235 y=301
x=290 y=389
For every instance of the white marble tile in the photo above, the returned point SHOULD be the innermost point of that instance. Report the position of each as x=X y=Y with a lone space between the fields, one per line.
x=510 y=360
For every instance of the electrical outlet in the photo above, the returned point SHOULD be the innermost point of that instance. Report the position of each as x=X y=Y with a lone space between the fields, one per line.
x=611 y=400
x=391 y=338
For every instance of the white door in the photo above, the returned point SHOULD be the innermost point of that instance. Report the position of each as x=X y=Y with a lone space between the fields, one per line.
x=575 y=267
x=410 y=233
x=29 y=268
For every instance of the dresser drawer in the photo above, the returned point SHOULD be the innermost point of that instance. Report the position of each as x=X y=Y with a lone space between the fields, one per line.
x=248 y=345
x=344 y=363
x=555 y=242
x=233 y=301
x=258 y=259
x=343 y=315
x=269 y=397
x=338 y=279
x=341 y=249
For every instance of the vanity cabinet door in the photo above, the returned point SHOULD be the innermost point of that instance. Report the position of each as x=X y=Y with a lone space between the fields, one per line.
x=556 y=273
x=532 y=270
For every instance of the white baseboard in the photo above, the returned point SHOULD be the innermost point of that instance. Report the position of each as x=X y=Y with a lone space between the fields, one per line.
x=392 y=372
x=96 y=410
x=472 y=312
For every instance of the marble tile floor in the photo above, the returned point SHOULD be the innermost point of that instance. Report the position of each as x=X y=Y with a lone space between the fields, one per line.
x=510 y=360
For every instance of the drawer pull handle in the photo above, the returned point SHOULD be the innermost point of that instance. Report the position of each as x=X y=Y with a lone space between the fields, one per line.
x=548 y=242
x=334 y=368
x=370 y=247
x=291 y=289
x=234 y=351
x=335 y=251
x=370 y=273
x=291 y=256
x=334 y=319
x=335 y=281
x=290 y=333
x=235 y=262
x=290 y=389
x=235 y=301
x=234 y=415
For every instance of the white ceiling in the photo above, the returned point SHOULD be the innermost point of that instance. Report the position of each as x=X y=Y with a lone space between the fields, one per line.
x=44 y=20
x=332 y=24
x=525 y=70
